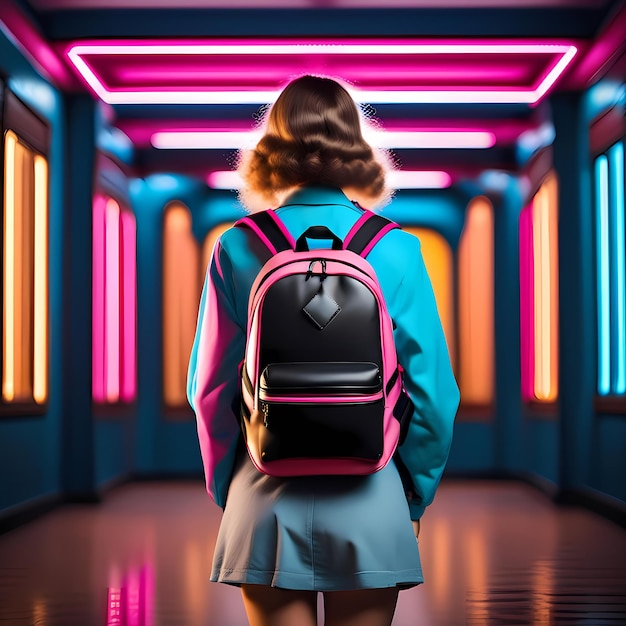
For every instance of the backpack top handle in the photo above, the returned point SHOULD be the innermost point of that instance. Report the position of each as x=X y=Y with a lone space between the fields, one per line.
x=317 y=232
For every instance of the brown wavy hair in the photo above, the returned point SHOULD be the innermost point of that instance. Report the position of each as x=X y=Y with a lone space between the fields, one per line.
x=313 y=136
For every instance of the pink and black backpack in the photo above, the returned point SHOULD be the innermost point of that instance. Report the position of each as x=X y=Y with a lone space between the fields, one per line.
x=322 y=390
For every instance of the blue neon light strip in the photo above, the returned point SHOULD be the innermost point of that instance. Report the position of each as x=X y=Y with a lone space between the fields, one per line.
x=616 y=204
x=602 y=243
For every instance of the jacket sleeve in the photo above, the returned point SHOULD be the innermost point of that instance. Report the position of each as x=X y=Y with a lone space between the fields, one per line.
x=212 y=381
x=429 y=380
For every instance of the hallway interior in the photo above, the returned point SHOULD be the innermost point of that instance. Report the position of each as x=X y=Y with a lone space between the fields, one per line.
x=493 y=553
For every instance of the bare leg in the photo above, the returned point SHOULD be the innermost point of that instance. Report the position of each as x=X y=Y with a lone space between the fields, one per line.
x=363 y=607
x=270 y=606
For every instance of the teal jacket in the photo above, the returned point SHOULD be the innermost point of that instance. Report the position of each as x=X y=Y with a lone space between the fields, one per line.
x=219 y=343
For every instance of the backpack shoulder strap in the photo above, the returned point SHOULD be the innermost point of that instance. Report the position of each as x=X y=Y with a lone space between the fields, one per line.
x=366 y=233
x=269 y=229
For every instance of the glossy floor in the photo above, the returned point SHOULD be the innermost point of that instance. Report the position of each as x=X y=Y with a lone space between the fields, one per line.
x=494 y=553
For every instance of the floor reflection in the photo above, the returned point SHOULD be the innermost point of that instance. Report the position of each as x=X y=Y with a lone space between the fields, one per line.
x=130 y=597
x=493 y=554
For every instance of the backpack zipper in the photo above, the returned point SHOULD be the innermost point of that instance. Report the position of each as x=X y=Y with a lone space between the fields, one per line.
x=264 y=404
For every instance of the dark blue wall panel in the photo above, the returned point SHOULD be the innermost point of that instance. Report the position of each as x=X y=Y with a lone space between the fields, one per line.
x=608 y=456
x=576 y=292
x=541 y=450
x=161 y=445
x=473 y=449
x=113 y=450
x=592 y=446
x=78 y=433
x=507 y=204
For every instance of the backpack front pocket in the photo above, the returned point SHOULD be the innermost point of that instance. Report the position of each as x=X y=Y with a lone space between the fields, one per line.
x=321 y=410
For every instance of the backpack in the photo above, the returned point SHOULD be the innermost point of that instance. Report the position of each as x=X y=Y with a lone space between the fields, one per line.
x=321 y=387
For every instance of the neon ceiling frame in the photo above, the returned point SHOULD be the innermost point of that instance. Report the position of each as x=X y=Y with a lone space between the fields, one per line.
x=563 y=52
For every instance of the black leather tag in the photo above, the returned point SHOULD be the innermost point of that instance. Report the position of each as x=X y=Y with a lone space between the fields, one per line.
x=321 y=310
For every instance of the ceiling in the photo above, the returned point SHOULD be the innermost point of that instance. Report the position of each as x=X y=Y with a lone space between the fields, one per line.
x=48 y=5
x=447 y=70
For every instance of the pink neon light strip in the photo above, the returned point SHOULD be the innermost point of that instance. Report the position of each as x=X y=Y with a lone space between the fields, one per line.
x=433 y=139
x=217 y=139
x=531 y=95
x=548 y=81
x=224 y=180
x=98 y=286
x=527 y=306
x=128 y=381
x=112 y=301
x=411 y=179
x=399 y=179
x=233 y=140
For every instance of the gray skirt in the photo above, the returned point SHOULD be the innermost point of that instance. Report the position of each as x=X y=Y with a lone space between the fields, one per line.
x=321 y=533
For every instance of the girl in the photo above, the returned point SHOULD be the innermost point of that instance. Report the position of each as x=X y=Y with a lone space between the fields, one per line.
x=353 y=538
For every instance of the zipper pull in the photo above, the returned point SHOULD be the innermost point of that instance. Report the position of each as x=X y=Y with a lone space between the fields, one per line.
x=323 y=276
x=309 y=273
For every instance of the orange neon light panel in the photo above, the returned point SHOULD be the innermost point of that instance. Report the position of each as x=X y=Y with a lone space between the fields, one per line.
x=438 y=260
x=181 y=297
x=25 y=274
x=539 y=291
x=476 y=305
